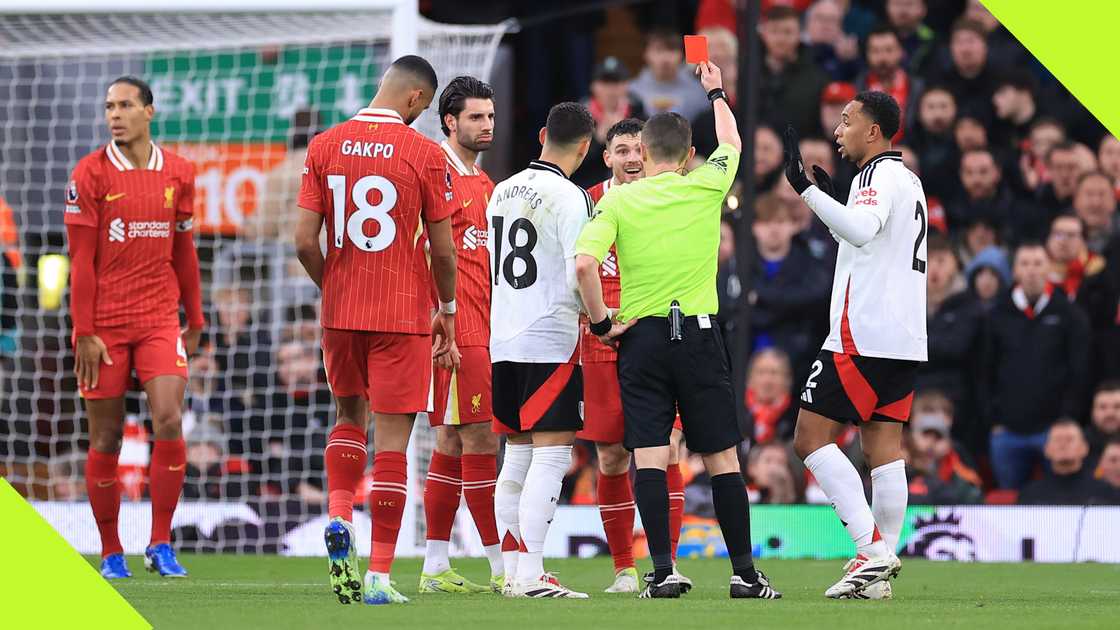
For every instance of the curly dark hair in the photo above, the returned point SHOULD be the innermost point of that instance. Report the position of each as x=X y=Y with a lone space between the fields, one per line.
x=455 y=95
x=882 y=109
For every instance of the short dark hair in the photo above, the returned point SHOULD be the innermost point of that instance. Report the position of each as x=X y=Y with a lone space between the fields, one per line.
x=883 y=29
x=781 y=12
x=1021 y=80
x=938 y=242
x=1107 y=385
x=455 y=95
x=146 y=97
x=1068 y=215
x=668 y=136
x=967 y=24
x=625 y=127
x=419 y=68
x=1029 y=244
x=1066 y=146
x=882 y=109
x=569 y=123
x=665 y=37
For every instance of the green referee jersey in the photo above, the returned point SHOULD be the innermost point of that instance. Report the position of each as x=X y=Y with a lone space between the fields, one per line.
x=665 y=230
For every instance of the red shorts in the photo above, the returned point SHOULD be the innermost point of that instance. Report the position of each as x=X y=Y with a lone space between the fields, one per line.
x=463 y=396
x=602 y=404
x=151 y=352
x=393 y=371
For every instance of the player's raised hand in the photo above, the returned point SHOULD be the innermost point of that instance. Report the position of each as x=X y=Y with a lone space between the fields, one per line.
x=710 y=76
x=795 y=168
x=824 y=181
x=89 y=354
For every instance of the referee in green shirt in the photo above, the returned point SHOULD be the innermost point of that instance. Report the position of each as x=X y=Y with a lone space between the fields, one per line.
x=671 y=356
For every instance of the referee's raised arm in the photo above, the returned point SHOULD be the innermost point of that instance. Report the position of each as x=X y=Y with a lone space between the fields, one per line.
x=672 y=358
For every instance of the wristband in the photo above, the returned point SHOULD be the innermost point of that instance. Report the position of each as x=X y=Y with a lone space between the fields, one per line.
x=447 y=308
x=716 y=94
x=601 y=328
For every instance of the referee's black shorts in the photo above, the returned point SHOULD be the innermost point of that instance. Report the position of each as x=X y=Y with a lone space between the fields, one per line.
x=657 y=377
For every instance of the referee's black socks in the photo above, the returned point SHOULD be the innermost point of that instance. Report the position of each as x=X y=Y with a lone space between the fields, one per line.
x=733 y=510
x=651 y=493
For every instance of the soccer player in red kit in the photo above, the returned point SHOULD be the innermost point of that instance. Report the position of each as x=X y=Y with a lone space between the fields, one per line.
x=128 y=219
x=465 y=461
x=379 y=185
x=603 y=422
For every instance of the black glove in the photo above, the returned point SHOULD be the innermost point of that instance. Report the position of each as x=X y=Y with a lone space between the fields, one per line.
x=824 y=182
x=795 y=170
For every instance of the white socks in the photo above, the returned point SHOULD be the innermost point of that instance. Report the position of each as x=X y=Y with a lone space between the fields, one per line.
x=538 y=505
x=435 y=557
x=841 y=482
x=494 y=555
x=889 y=493
x=507 y=499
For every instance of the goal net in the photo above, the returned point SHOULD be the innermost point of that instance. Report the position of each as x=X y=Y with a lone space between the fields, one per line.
x=239 y=94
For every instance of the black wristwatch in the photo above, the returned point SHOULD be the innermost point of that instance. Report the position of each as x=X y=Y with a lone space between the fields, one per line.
x=601 y=328
x=717 y=94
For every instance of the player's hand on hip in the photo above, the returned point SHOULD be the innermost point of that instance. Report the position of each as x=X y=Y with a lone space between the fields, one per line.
x=191 y=339
x=443 y=334
x=616 y=331
x=89 y=352
x=795 y=169
x=710 y=76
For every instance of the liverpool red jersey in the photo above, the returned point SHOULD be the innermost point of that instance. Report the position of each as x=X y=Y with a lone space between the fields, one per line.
x=473 y=188
x=592 y=350
x=136 y=212
x=376 y=181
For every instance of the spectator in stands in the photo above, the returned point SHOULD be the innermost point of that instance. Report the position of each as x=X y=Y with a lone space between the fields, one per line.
x=885 y=73
x=791 y=84
x=789 y=289
x=970 y=76
x=979 y=234
x=1108 y=469
x=723 y=50
x=984 y=195
x=770 y=477
x=835 y=96
x=1076 y=270
x=918 y=40
x=667 y=83
x=953 y=325
x=1037 y=337
x=833 y=50
x=1004 y=50
x=937 y=473
x=1108 y=155
x=1068 y=481
x=970 y=133
x=243 y=353
x=932 y=139
x=610 y=101
x=1094 y=201
x=1045 y=134
x=1105 y=418
x=729 y=285
x=1016 y=109
x=767 y=158
x=1061 y=166
x=211 y=475
x=988 y=276
x=768 y=398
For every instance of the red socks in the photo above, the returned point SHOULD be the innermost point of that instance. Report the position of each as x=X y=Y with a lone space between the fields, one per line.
x=104 y=498
x=345 y=459
x=442 y=490
x=675 y=482
x=386 y=506
x=165 y=479
x=480 y=477
x=616 y=508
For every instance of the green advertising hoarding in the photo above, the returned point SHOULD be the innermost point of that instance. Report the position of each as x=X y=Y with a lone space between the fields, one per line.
x=252 y=95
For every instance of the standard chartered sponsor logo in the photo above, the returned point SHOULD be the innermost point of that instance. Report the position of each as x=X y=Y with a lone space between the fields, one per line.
x=149 y=229
x=473 y=238
x=116 y=231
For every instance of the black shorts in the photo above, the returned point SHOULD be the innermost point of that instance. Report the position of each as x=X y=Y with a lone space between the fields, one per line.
x=852 y=388
x=658 y=377
x=538 y=396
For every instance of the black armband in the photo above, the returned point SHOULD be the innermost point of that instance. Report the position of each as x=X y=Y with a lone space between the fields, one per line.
x=601 y=328
x=718 y=93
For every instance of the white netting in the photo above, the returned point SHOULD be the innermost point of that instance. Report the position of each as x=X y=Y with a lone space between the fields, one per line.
x=238 y=94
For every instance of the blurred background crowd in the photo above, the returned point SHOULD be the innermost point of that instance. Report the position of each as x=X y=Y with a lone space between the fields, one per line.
x=1020 y=401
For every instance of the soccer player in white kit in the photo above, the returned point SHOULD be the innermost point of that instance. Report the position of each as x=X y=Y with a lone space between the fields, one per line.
x=864 y=374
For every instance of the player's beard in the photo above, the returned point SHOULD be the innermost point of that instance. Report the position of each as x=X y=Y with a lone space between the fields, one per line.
x=474 y=144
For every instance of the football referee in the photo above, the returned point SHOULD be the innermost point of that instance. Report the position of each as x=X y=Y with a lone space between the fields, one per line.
x=671 y=356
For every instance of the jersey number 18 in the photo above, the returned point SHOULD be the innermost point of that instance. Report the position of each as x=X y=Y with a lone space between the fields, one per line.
x=354 y=227
x=523 y=252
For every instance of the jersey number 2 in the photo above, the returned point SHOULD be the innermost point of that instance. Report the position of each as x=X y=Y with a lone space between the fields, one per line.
x=522 y=252
x=920 y=217
x=354 y=228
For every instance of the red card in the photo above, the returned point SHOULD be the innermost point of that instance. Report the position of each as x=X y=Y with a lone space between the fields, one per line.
x=695 y=48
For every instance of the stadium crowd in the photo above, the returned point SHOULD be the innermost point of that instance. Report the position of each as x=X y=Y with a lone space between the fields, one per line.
x=1020 y=401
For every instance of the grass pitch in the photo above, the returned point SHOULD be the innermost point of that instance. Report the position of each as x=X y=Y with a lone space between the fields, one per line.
x=242 y=592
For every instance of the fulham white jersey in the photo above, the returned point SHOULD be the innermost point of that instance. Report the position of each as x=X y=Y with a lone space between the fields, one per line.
x=879 y=291
x=534 y=219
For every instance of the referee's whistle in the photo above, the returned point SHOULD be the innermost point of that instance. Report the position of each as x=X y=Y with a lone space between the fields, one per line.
x=676 y=320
